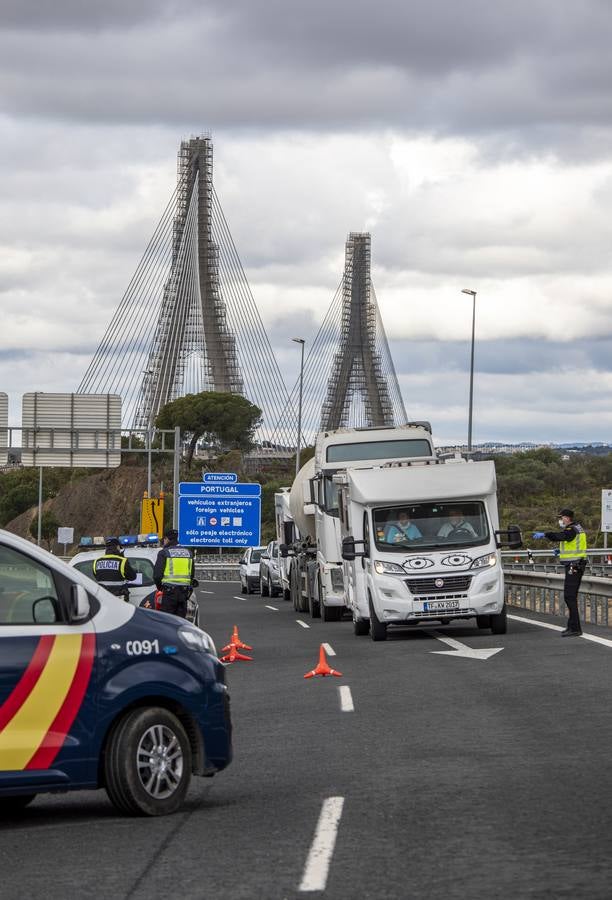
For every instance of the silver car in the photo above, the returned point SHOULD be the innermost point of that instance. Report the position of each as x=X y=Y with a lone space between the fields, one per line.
x=142 y=559
x=270 y=571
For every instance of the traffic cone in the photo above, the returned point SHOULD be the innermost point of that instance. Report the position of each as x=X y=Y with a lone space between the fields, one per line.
x=234 y=654
x=236 y=642
x=322 y=667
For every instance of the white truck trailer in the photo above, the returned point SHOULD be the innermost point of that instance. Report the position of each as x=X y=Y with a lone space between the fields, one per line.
x=421 y=543
x=316 y=569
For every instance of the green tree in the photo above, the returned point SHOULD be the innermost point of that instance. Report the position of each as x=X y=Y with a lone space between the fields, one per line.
x=226 y=421
x=48 y=527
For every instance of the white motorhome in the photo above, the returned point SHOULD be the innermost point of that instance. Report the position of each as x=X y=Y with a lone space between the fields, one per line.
x=317 y=581
x=421 y=543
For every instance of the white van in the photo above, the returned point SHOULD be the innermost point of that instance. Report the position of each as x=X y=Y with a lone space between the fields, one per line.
x=421 y=543
x=249 y=569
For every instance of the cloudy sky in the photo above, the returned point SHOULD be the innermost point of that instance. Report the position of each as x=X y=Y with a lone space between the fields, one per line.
x=472 y=139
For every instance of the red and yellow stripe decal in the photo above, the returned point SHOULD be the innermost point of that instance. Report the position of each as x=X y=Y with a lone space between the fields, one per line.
x=38 y=714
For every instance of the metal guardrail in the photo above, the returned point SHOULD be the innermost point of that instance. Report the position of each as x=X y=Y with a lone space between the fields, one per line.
x=534 y=581
x=215 y=571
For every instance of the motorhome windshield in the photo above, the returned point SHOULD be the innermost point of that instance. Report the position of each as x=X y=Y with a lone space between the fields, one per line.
x=398 y=449
x=438 y=525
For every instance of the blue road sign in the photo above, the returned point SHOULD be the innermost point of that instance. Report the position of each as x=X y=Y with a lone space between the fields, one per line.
x=219 y=514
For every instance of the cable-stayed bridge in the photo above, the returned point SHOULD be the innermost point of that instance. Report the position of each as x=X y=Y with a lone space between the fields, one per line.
x=188 y=322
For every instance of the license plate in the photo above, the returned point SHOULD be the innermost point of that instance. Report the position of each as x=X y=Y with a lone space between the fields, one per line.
x=442 y=605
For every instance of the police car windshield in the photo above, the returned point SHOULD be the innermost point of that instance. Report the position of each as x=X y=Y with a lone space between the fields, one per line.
x=140 y=564
x=437 y=525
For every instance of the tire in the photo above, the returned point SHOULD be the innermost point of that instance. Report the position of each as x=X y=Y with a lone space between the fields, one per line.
x=286 y=595
x=272 y=591
x=331 y=613
x=361 y=627
x=243 y=588
x=499 y=622
x=157 y=786
x=12 y=806
x=483 y=621
x=263 y=588
x=378 y=630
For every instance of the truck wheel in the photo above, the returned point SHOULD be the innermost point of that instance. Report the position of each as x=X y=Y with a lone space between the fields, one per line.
x=378 y=630
x=147 y=763
x=314 y=607
x=12 y=806
x=499 y=622
x=483 y=621
x=263 y=588
x=286 y=595
x=271 y=589
x=361 y=627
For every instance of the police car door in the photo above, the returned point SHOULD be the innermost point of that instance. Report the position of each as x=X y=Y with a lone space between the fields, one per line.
x=46 y=673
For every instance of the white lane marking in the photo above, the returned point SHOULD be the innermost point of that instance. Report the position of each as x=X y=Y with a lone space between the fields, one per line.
x=329 y=650
x=322 y=847
x=462 y=650
x=303 y=624
x=605 y=642
x=273 y=608
x=235 y=597
x=346 y=699
x=207 y=592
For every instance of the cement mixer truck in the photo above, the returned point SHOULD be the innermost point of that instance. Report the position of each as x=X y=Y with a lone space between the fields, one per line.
x=314 y=568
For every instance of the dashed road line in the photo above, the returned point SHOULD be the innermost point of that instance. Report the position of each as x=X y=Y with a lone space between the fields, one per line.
x=329 y=649
x=207 y=592
x=303 y=624
x=346 y=699
x=316 y=870
x=273 y=608
x=235 y=597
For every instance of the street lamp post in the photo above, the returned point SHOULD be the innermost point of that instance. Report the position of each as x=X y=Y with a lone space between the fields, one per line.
x=473 y=296
x=299 y=428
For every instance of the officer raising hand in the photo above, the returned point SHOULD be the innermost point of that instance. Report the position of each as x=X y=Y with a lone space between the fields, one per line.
x=573 y=556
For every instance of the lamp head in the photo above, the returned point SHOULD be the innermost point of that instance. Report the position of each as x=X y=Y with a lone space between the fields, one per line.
x=298 y=340
x=467 y=291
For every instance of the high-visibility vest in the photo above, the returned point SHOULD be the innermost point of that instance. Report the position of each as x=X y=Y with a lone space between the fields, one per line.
x=110 y=570
x=576 y=548
x=179 y=566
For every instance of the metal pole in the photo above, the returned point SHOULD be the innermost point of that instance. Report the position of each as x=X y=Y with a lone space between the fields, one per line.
x=299 y=428
x=473 y=296
x=177 y=460
x=149 y=460
x=40 y=480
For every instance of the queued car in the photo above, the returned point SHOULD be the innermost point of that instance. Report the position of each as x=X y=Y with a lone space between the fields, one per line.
x=270 y=583
x=249 y=569
x=142 y=559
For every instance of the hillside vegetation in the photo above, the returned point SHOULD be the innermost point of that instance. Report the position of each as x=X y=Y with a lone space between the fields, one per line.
x=532 y=487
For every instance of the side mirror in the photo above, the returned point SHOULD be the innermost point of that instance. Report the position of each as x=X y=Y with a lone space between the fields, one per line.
x=79 y=603
x=284 y=551
x=512 y=538
x=348 y=549
x=43 y=611
x=242 y=562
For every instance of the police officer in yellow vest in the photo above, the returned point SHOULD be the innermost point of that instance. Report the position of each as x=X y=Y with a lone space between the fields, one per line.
x=113 y=571
x=573 y=555
x=173 y=575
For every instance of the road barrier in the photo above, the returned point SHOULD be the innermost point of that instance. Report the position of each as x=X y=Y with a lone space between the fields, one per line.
x=534 y=581
x=217 y=568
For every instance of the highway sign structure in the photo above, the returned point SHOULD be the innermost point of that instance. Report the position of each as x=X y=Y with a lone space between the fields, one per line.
x=219 y=511
x=3 y=428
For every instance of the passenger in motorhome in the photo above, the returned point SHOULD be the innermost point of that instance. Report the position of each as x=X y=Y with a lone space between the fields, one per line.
x=402 y=529
x=456 y=526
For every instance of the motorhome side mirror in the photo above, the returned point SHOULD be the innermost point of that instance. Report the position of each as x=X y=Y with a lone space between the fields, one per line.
x=511 y=538
x=265 y=556
x=284 y=551
x=348 y=549
x=79 y=603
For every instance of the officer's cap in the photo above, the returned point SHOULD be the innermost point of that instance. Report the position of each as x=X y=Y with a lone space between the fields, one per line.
x=171 y=534
x=567 y=512
x=112 y=542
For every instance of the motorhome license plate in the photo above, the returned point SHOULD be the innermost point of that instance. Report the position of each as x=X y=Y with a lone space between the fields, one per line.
x=442 y=605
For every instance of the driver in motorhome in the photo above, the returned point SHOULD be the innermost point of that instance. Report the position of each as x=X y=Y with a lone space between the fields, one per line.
x=456 y=526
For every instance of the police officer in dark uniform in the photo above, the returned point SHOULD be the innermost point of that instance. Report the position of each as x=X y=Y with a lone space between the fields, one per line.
x=173 y=575
x=113 y=571
x=573 y=555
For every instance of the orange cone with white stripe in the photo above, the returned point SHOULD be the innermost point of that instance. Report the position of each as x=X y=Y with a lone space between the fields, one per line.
x=322 y=668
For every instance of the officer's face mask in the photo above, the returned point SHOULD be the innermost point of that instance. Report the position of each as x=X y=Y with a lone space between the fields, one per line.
x=561 y=523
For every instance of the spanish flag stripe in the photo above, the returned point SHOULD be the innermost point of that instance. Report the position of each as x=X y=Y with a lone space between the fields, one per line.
x=61 y=725
x=25 y=732
x=27 y=682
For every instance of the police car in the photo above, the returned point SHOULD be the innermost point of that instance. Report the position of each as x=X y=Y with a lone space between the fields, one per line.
x=142 y=559
x=95 y=692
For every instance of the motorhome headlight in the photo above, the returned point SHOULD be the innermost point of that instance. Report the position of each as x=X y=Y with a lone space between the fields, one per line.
x=490 y=559
x=382 y=567
x=337 y=579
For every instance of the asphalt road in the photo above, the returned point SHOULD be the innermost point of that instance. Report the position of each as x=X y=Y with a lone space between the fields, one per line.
x=450 y=777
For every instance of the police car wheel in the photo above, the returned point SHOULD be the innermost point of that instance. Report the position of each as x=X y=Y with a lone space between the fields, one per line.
x=148 y=763
x=9 y=806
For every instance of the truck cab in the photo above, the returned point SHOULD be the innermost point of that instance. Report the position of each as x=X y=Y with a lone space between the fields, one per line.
x=421 y=544
x=95 y=692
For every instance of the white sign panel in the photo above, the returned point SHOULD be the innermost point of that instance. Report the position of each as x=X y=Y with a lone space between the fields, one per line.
x=65 y=535
x=71 y=430
x=606 y=510
x=3 y=429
